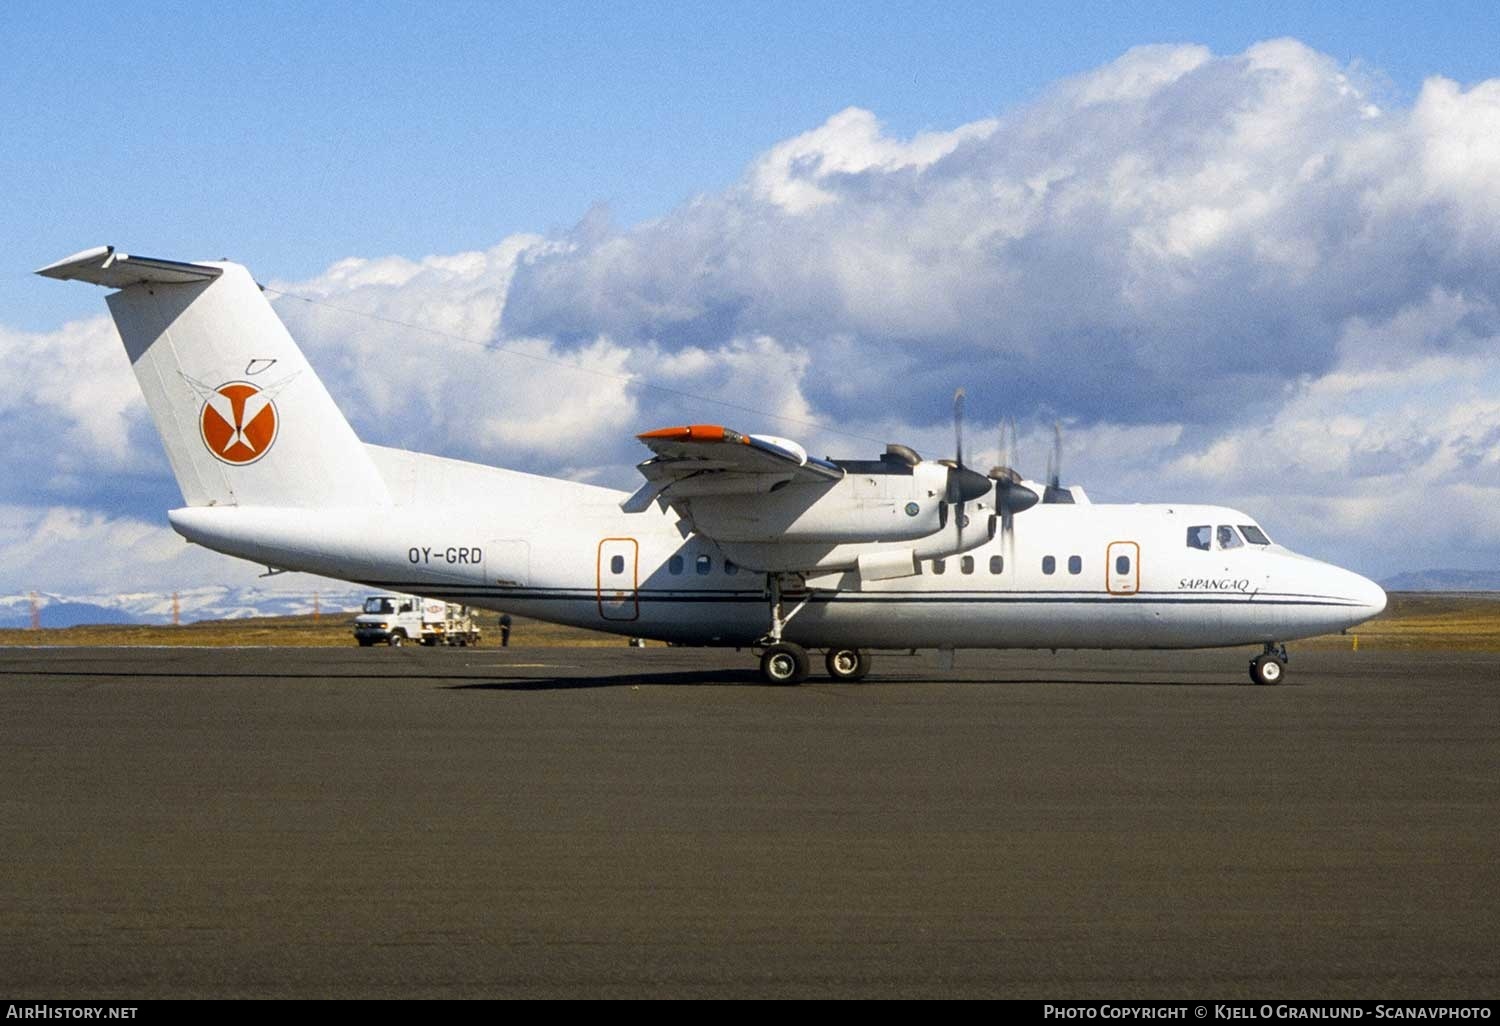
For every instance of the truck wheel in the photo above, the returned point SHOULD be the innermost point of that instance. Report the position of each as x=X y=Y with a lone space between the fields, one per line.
x=397 y=639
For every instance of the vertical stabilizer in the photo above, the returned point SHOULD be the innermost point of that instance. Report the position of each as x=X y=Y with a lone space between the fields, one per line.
x=244 y=419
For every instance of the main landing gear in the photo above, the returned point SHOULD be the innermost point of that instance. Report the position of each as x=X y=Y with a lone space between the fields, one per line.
x=1270 y=666
x=785 y=662
x=788 y=663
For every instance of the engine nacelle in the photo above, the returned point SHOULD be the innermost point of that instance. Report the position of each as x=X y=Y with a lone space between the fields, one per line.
x=873 y=560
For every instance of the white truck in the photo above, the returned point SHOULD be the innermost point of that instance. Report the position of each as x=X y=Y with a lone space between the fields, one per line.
x=391 y=619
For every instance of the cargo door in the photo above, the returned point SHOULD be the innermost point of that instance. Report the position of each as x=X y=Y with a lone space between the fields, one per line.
x=618 y=563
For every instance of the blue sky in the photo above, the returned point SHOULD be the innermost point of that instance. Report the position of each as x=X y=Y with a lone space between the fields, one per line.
x=289 y=135
x=1238 y=270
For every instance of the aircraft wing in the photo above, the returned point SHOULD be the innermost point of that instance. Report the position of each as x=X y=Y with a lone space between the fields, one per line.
x=708 y=459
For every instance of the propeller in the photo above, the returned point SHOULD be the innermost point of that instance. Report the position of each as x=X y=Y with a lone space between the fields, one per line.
x=1055 y=492
x=1011 y=495
x=964 y=485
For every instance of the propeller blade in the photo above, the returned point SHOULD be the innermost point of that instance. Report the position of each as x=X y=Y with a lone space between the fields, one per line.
x=1054 y=459
x=1055 y=492
x=964 y=485
x=958 y=426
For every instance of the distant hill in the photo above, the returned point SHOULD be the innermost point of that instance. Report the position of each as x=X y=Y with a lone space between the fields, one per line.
x=202 y=603
x=1444 y=580
x=69 y=614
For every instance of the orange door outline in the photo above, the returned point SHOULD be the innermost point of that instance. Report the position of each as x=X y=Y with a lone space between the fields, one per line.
x=1122 y=584
x=624 y=603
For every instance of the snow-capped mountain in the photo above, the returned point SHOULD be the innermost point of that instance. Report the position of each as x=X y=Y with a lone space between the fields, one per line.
x=206 y=603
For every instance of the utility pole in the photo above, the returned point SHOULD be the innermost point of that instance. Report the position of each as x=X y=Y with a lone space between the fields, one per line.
x=36 y=613
x=317 y=611
x=176 y=611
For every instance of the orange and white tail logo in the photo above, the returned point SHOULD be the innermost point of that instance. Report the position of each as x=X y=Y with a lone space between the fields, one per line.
x=238 y=422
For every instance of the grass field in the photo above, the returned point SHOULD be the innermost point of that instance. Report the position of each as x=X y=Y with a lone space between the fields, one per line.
x=1467 y=622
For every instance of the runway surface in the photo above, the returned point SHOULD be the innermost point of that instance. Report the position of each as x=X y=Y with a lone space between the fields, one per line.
x=618 y=822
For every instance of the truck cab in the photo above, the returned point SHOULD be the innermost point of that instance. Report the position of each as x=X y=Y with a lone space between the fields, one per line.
x=394 y=619
x=389 y=619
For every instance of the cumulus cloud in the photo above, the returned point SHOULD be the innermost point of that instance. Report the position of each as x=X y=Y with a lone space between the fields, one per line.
x=1249 y=278
x=72 y=425
x=1138 y=243
x=69 y=549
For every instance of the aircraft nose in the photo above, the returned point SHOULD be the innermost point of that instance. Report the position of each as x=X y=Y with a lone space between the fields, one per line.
x=1368 y=594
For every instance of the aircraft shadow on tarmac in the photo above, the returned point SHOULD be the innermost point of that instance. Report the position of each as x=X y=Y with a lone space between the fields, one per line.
x=692 y=678
x=751 y=679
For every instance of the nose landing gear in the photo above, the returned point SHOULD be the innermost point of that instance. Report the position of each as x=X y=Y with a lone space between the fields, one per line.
x=1270 y=666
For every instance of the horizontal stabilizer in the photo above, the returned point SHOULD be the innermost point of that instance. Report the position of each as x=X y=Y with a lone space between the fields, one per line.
x=103 y=266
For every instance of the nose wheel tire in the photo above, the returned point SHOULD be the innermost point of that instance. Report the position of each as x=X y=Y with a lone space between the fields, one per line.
x=1267 y=669
x=849 y=664
x=784 y=663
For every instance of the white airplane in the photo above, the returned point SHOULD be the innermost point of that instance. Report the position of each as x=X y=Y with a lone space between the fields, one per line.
x=734 y=540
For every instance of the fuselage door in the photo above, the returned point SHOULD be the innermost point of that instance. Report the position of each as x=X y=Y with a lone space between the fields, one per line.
x=1123 y=568
x=619 y=559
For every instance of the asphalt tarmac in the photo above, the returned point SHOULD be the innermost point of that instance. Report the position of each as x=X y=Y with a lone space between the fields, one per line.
x=620 y=822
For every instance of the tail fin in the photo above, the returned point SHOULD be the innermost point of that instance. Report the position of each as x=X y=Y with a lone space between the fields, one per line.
x=244 y=419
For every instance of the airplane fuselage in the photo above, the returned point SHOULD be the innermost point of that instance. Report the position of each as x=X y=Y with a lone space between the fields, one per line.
x=1070 y=576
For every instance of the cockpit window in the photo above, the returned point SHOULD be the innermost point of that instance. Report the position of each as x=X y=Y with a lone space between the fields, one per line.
x=1229 y=538
x=1254 y=535
x=1200 y=537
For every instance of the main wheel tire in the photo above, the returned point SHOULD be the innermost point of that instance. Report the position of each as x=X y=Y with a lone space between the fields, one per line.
x=784 y=663
x=397 y=640
x=848 y=664
x=1268 y=670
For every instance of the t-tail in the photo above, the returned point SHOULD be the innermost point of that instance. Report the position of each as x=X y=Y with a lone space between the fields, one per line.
x=244 y=419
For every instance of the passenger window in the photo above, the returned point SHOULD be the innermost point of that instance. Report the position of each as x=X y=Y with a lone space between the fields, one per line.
x=1200 y=537
x=674 y=565
x=939 y=566
x=730 y=568
x=1122 y=564
x=617 y=565
x=997 y=564
x=1254 y=535
x=1049 y=565
x=1228 y=537
x=1075 y=564
x=966 y=564
x=705 y=564
x=406 y=607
